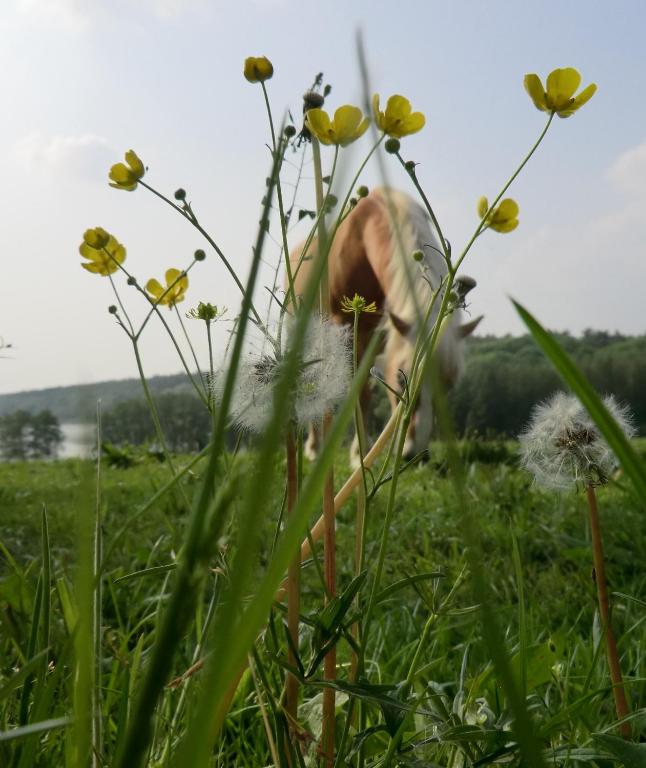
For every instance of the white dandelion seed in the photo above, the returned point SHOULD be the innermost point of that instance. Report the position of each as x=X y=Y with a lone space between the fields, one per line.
x=562 y=446
x=323 y=378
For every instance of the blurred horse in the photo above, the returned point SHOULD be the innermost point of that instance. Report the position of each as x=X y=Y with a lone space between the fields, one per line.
x=371 y=255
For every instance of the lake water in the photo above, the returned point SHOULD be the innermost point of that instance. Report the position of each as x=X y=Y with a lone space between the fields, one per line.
x=78 y=441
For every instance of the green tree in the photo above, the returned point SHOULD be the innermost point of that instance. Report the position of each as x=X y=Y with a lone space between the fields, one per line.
x=45 y=436
x=14 y=435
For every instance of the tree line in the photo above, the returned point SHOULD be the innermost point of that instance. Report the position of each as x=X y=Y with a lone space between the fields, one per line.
x=504 y=378
x=25 y=435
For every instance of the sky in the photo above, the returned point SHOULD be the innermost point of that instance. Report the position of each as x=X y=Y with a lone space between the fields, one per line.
x=82 y=81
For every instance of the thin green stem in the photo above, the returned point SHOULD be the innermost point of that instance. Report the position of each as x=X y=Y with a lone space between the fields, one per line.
x=482 y=225
x=279 y=197
x=211 y=368
x=320 y=213
x=123 y=309
x=190 y=346
x=194 y=221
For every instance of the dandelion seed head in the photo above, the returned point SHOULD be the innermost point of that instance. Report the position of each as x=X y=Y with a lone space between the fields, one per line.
x=562 y=446
x=323 y=378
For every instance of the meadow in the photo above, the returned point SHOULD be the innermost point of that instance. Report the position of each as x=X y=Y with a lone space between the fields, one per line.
x=196 y=612
x=535 y=550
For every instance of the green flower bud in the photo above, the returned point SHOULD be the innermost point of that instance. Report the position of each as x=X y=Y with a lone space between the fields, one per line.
x=199 y=255
x=180 y=194
x=392 y=146
x=289 y=131
x=112 y=309
x=132 y=280
x=418 y=255
x=362 y=191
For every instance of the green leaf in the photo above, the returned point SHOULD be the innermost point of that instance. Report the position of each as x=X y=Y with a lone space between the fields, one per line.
x=628 y=458
x=630 y=755
x=32 y=728
x=393 y=588
x=147 y=572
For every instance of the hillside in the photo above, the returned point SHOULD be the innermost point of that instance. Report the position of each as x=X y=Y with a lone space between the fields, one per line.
x=78 y=403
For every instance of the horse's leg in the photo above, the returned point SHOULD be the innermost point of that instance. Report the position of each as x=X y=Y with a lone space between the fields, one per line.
x=313 y=442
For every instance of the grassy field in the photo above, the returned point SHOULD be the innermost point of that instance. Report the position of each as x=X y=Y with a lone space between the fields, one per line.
x=544 y=599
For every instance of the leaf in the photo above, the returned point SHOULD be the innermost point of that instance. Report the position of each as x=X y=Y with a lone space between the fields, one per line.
x=630 y=755
x=146 y=572
x=32 y=728
x=627 y=456
x=391 y=589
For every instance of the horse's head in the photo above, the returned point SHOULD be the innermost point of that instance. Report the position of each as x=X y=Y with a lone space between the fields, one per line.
x=448 y=363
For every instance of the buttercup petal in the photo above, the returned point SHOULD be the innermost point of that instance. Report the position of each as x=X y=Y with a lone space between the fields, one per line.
x=121 y=174
x=508 y=209
x=154 y=287
x=585 y=95
x=506 y=226
x=398 y=107
x=171 y=275
x=483 y=207
x=93 y=267
x=346 y=120
x=375 y=104
x=561 y=86
x=135 y=163
x=536 y=92
x=88 y=252
x=413 y=123
x=318 y=122
x=363 y=127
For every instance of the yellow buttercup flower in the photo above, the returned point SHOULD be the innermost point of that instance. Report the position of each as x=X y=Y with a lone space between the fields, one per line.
x=173 y=292
x=399 y=119
x=126 y=176
x=503 y=218
x=257 y=69
x=559 y=95
x=103 y=251
x=348 y=125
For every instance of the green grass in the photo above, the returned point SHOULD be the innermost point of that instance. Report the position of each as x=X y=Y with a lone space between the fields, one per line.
x=426 y=536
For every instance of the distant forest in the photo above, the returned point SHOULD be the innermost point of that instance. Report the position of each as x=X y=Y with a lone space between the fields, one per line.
x=504 y=378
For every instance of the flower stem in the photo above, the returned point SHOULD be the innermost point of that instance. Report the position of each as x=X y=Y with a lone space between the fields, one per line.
x=618 y=691
x=329 y=536
x=192 y=348
x=293 y=581
x=481 y=225
x=193 y=220
x=279 y=196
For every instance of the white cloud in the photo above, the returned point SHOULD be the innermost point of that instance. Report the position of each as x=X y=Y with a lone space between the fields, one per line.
x=78 y=15
x=628 y=172
x=75 y=15
x=87 y=156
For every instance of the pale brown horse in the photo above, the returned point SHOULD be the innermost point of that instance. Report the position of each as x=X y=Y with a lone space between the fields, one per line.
x=371 y=255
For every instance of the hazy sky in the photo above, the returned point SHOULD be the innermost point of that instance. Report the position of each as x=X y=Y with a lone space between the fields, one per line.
x=84 y=80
